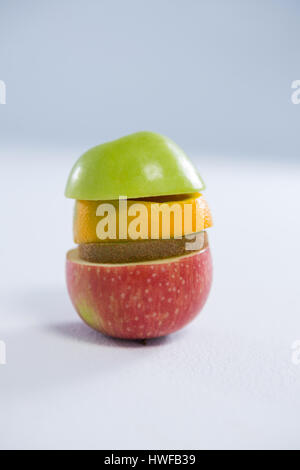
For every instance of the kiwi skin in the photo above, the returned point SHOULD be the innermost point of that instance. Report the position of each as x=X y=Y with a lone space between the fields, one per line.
x=140 y=250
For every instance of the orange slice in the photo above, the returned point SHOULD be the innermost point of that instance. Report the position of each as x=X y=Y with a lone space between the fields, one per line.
x=153 y=218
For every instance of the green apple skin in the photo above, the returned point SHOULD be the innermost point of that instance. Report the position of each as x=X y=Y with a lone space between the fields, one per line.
x=140 y=300
x=139 y=165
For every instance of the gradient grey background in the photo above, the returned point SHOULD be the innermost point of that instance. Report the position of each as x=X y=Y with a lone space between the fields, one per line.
x=214 y=75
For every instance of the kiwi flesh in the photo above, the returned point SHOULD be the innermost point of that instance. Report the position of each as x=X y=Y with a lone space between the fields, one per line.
x=141 y=250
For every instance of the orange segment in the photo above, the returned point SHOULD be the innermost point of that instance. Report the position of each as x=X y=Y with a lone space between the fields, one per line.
x=155 y=218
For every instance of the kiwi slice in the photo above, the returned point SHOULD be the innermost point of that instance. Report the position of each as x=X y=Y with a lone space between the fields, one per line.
x=141 y=250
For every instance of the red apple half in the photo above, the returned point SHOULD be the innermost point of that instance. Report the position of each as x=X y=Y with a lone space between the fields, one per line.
x=140 y=300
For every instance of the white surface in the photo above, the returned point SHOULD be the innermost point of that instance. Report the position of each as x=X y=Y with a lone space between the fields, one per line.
x=226 y=381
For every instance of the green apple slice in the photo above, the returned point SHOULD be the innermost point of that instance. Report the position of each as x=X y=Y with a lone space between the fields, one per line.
x=139 y=165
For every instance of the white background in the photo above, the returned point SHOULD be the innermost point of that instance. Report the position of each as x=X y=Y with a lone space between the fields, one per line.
x=214 y=75
x=225 y=381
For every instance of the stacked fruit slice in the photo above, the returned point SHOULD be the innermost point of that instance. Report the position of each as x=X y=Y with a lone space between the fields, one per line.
x=143 y=266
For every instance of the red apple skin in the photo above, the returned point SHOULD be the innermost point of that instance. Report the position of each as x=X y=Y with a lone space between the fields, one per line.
x=138 y=301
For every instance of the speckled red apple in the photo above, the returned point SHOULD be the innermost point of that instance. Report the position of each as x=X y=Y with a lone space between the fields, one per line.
x=143 y=300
